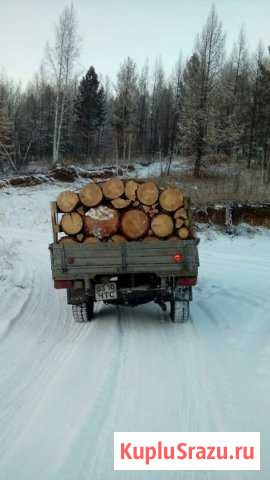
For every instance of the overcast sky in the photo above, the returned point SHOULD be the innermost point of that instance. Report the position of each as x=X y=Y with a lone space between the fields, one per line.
x=112 y=30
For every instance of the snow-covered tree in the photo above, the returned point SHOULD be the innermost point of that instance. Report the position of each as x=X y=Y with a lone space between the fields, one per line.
x=199 y=88
x=124 y=113
x=62 y=58
x=90 y=111
x=6 y=141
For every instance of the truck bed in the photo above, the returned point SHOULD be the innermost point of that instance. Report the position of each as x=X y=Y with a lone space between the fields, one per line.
x=72 y=262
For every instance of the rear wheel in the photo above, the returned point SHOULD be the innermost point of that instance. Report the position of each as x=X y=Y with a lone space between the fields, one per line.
x=90 y=310
x=84 y=312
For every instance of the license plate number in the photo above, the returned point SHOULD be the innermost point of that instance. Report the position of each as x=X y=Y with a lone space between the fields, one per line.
x=105 y=291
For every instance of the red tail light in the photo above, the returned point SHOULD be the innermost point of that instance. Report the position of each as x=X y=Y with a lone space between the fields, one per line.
x=178 y=258
x=187 y=281
x=62 y=284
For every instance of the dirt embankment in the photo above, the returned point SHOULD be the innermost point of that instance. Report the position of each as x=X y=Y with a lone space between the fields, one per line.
x=253 y=214
x=257 y=214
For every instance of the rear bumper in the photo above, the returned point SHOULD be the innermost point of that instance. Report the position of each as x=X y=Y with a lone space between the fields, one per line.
x=132 y=297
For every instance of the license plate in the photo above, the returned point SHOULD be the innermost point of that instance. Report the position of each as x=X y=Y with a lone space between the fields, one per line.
x=105 y=291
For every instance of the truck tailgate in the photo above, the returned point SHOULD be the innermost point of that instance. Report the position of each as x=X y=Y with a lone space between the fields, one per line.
x=79 y=261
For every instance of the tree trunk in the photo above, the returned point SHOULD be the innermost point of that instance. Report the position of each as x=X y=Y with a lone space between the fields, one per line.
x=55 y=153
x=198 y=161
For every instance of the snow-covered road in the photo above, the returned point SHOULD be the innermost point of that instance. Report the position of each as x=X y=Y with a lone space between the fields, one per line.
x=66 y=387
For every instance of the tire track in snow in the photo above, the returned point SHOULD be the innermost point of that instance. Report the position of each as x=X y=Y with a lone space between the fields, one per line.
x=98 y=421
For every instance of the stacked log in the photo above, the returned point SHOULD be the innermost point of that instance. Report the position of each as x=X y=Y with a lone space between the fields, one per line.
x=118 y=211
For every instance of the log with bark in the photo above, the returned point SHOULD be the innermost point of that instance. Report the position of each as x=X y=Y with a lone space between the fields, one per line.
x=101 y=222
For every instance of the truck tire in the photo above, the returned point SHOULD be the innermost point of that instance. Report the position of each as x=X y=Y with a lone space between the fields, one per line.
x=84 y=312
x=90 y=310
x=179 y=311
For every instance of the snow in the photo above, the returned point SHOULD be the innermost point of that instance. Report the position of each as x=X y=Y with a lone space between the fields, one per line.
x=65 y=387
x=156 y=168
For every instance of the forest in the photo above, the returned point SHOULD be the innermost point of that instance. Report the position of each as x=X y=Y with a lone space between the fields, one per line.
x=215 y=104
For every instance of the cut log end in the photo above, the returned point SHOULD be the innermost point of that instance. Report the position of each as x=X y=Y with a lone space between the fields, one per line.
x=148 y=193
x=113 y=188
x=183 y=233
x=162 y=225
x=80 y=210
x=150 y=238
x=80 y=237
x=120 y=203
x=173 y=238
x=118 y=239
x=91 y=195
x=181 y=213
x=171 y=199
x=179 y=222
x=91 y=240
x=72 y=223
x=67 y=201
x=68 y=241
x=131 y=189
x=134 y=224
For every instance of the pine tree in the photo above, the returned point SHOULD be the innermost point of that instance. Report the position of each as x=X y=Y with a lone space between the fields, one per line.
x=90 y=110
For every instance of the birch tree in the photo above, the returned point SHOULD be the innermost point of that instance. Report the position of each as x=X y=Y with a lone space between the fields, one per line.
x=62 y=58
